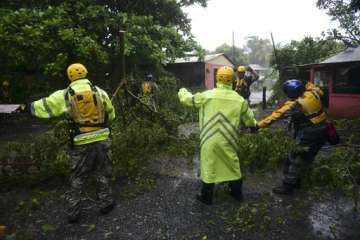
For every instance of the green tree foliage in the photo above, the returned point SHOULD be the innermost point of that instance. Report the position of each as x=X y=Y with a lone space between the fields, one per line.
x=347 y=13
x=138 y=136
x=308 y=50
x=240 y=57
x=258 y=50
x=255 y=51
x=191 y=2
x=355 y=4
x=40 y=38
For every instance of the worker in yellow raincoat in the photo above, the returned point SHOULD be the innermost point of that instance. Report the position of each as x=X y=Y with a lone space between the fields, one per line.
x=221 y=110
x=308 y=121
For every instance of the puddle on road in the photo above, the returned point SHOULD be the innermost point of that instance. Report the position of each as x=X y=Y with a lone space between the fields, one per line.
x=182 y=168
x=334 y=219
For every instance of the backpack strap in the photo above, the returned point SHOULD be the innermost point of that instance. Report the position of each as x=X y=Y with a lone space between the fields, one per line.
x=97 y=101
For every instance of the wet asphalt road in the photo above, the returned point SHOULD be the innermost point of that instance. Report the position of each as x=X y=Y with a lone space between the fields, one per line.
x=169 y=211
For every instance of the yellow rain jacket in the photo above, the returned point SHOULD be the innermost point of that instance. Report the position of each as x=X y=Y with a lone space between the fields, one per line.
x=221 y=110
x=61 y=102
x=309 y=104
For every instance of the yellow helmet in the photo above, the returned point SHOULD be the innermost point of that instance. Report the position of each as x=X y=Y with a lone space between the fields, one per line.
x=225 y=75
x=5 y=83
x=76 y=71
x=241 y=69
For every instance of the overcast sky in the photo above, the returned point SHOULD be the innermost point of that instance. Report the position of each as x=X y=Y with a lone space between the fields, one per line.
x=286 y=19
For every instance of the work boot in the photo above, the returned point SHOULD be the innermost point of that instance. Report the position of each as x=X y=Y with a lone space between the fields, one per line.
x=206 y=195
x=284 y=188
x=205 y=200
x=108 y=208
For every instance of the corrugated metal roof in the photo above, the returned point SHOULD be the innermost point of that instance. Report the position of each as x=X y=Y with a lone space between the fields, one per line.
x=191 y=59
x=9 y=108
x=349 y=55
x=257 y=67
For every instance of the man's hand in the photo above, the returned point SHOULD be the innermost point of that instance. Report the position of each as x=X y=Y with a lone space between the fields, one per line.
x=254 y=129
x=26 y=108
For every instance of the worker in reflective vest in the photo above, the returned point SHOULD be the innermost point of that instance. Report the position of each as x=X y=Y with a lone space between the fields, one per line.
x=5 y=92
x=149 y=90
x=219 y=120
x=310 y=129
x=89 y=110
x=246 y=76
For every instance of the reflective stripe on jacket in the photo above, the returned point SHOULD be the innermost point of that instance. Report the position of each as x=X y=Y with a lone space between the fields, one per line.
x=56 y=105
x=221 y=111
x=310 y=107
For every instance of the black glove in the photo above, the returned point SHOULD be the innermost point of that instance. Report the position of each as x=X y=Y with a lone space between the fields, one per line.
x=254 y=129
x=26 y=108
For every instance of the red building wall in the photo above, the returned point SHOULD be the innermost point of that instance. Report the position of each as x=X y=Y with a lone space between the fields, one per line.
x=210 y=73
x=343 y=105
x=340 y=105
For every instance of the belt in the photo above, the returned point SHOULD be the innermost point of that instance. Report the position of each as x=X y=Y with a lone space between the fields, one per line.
x=313 y=115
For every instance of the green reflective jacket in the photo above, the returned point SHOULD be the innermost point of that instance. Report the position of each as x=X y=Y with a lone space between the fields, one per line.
x=57 y=104
x=221 y=111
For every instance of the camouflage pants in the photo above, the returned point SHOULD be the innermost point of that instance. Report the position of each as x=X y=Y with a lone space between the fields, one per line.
x=93 y=159
x=310 y=140
x=298 y=162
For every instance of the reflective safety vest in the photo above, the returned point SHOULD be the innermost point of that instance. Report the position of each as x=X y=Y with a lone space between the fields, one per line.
x=5 y=92
x=88 y=107
x=221 y=111
x=147 y=88
x=241 y=84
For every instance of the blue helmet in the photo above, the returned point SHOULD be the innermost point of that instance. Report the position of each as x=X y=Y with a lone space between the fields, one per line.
x=293 y=88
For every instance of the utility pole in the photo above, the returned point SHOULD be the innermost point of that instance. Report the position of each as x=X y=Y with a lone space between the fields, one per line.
x=119 y=83
x=275 y=53
x=233 y=47
x=122 y=55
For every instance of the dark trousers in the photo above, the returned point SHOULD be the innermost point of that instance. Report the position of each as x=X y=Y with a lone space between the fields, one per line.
x=310 y=140
x=207 y=189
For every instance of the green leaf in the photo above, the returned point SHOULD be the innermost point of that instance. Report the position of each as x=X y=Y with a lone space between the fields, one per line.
x=48 y=228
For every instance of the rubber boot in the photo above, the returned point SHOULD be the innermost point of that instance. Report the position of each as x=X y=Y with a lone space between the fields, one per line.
x=108 y=208
x=285 y=188
x=236 y=190
x=206 y=195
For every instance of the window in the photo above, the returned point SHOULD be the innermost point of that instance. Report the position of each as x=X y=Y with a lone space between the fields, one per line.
x=321 y=79
x=347 y=80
